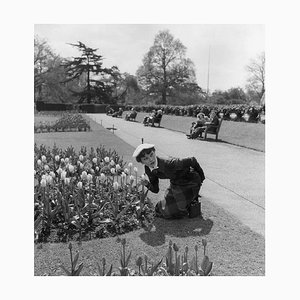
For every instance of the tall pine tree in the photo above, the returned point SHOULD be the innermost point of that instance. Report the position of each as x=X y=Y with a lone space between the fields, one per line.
x=90 y=65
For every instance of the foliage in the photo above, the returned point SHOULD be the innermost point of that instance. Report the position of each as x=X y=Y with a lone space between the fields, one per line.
x=256 y=80
x=97 y=86
x=165 y=68
x=86 y=195
x=67 y=122
x=175 y=264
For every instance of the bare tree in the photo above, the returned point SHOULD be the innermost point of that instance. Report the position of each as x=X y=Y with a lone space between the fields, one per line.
x=256 y=80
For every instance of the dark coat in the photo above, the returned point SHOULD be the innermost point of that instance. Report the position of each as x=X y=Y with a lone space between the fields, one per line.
x=186 y=177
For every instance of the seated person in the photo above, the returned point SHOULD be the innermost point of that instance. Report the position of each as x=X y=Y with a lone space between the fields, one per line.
x=118 y=113
x=203 y=123
x=109 y=110
x=131 y=115
x=156 y=118
x=148 y=119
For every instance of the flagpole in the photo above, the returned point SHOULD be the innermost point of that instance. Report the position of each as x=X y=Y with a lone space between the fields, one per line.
x=208 y=71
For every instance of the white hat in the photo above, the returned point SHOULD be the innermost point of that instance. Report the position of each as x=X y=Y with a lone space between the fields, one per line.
x=140 y=148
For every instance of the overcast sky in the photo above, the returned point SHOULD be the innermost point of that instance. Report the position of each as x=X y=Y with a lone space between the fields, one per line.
x=231 y=46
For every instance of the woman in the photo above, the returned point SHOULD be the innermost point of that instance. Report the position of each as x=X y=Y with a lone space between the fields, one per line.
x=198 y=127
x=186 y=177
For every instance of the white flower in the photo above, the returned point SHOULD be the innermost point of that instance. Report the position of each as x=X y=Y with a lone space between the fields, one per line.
x=113 y=171
x=39 y=162
x=92 y=171
x=95 y=160
x=57 y=157
x=63 y=175
x=71 y=168
x=49 y=179
x=52 y=174
x=97 y=169
x=43 y=183
x=44 y=159
x=106 y=159
x=112 y=163
x=89 y=177
x=62 y=160
x=78 y=162
x=118 y=167
x=81 y=157
x=46 y=167
x=44 y=176
x=135 y=169
x=34 y=172
x=126 y=171
x=79 y=185
x=123 y=175
x=81 y=166
x=66 y=160
x=84 y=175
x=59 y=170
x=130 y=166
x=143 y=177
x=131 y=178
x=102 y=177
x=116 y=185
x=67 y=181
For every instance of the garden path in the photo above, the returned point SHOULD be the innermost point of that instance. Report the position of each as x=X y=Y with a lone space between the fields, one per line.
x=235 y=176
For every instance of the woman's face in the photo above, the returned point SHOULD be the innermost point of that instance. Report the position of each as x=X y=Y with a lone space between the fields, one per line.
x=149 y=159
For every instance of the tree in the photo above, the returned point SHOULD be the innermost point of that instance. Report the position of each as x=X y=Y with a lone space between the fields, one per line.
x=256 y=80
x=165 y=67
x=89 y=64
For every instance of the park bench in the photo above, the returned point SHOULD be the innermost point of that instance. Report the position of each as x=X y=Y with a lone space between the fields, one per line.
x=131 y=116
x=213 y=129
x=157 y=120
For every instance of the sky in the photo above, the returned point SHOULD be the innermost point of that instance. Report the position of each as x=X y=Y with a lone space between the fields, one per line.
x=231 y=47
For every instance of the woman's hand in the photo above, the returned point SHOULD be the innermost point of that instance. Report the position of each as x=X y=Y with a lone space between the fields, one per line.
x=144 y=181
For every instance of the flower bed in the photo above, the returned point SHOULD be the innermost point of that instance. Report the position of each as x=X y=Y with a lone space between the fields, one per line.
x=85 y=195
x=67 y=122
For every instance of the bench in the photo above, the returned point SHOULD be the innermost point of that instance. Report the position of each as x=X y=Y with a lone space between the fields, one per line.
x=157 y=120
x=213 y=129
x=131 y=116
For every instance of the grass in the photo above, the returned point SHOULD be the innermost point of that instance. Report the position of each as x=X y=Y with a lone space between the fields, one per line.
x=233 y=248
x=250 y=135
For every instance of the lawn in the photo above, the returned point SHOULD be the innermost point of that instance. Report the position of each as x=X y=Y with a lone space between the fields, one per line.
x=233 y=247
x=250 y=135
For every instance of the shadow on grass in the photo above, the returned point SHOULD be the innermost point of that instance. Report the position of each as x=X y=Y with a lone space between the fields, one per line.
x=178 y=228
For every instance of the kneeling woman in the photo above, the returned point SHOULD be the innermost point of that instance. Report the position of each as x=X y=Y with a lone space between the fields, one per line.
x=186 y=177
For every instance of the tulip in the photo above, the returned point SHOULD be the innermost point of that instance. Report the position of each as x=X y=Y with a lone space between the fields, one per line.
x=46 y=167
x=49 y=179
x=44 y=176
x=89 y=177
x=131 y=178
x=67 y=181
x=59 y=170
x=43 y=183
x=34 y=172
x=95 y=160
x=57 y=158
x=62 y=160
x=66 y=160
x=130 y=166
x=102 y=177
x=63 y=175
x=92 y=171
x=39 y=162
x=71 y=168
x=143 y=177
x=118 y=167
x=112 y=163
x=44 y=158
x=78 y=162
x=135 y=169
x=116 y=185
x=113 y=171
x=84 y=175
x=97 y=169
x=79 y=185
x=81 y=166
x=81 y=157
x=126 y=171
x=106 y=159
x=52 y=174
x=123 y=175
